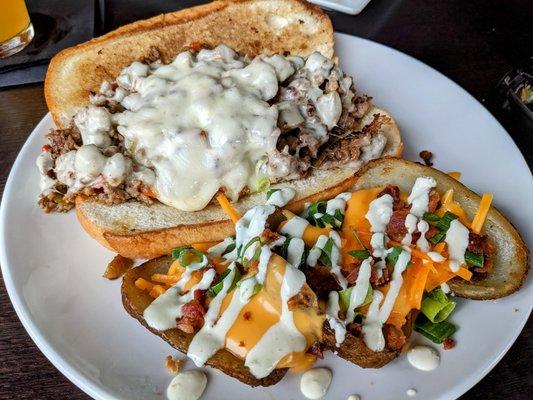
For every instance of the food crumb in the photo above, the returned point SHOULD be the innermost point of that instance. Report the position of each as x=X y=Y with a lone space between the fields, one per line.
x=174 y=364
x=516 y=310
x=241 y=343
x=117 y=267
x=411 y=392
x=426 y=156
x=448 y=344
x=247 y=315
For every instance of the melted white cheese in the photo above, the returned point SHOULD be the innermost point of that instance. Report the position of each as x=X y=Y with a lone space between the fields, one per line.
x=283 y=337
x=161 y=314
x=315 y=383
x=376 y=316
x=187 y=385
x=457 y=241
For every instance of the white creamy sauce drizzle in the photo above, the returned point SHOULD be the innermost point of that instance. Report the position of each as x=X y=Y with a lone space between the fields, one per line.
x=212 y=336
x=436 y=257
x=338 y=203
x=379 y=214
x=218 y=249
x=419 y=201
x=332 y=316
x=252 y=224
x=281 y=197
x=161 y=314
x=422 y=243
x=457 y=241
x=315 y=383
x=445 y=287
x=187 y=385
x=316 y=251
x=424 y=358
x=283 y=337
x=358 y=294
x=295 y=227
x=377 y=316
x=295 y=251
x=419 y=197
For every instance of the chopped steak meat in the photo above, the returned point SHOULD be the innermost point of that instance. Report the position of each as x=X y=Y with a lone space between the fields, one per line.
x=63 y=140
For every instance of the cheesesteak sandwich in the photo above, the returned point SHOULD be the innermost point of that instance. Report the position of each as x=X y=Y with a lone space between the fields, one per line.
x=355 y=273
x=159 y=119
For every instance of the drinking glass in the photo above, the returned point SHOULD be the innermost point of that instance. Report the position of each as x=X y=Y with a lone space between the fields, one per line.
x=16 y=30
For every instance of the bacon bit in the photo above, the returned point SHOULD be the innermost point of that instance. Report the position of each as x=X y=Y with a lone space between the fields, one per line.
x=352 y=276
x=117 y=267
x=394 y=337
x=317 y=349
x=193 y=316
x=434 y=200
x=46 y=148
x=269 y=236
x=305 y=298
x=241 y=344
x=396 y=229
x=203 y=134
x=247 y=316
x=426 y=156
x=174 y=364
x=448 y=344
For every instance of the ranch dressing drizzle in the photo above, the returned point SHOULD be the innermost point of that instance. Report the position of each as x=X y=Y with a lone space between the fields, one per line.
x=457 y=241
x=295 y=226
x=295 y=251
x=283 y=337
x=212 y=336
x=316 y=251
x=332 y=316
x=161 y=314
x=281 y=197
x=379 y=214
x=358 y=294
x=419 y=201
x=376 y=316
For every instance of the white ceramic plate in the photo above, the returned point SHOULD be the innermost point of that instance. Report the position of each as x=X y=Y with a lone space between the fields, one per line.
x=352 y=7
x=52 y=269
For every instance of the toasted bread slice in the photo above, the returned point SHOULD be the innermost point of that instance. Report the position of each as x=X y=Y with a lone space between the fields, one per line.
x=136 y=230
x=511 y=258
x=248 y=26
x=135 y=302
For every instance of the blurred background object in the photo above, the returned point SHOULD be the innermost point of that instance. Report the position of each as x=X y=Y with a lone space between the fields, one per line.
x=16 y=29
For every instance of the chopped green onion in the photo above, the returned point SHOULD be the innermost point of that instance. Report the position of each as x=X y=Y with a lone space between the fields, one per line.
x=344 y=297
x=271 y=192
x=392 y=257
x=444 y=223
x=361 y=254
x=325 y=254
x=187 y=255
x=262 y=184
x=436 y=332
x=474 y=259
x=430 y=217
x=436 y=306
x=229 y=249
x=215 y=289
x=316 y=215
x=437 y=238
x=247 y=245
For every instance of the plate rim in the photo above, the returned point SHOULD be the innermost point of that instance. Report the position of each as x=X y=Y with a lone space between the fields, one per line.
x=99 y=391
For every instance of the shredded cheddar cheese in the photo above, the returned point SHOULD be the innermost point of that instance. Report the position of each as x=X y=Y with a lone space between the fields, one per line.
x=227 y=207
x=482 y=211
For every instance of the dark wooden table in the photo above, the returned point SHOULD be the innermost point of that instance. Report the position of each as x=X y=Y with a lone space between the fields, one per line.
x=473 y=42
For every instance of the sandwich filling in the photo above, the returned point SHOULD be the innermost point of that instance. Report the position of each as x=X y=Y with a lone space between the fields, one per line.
x=206 y=122
x=362 y=264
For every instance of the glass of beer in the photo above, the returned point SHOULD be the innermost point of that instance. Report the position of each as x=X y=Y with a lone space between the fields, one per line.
x=16 y=30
